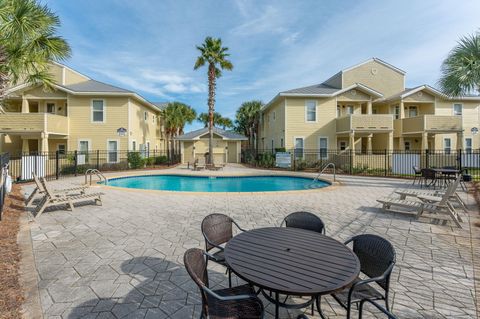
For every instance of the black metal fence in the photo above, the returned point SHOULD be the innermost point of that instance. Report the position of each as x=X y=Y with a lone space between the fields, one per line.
x=4 y=160
x=55 y=165
x=394 y=163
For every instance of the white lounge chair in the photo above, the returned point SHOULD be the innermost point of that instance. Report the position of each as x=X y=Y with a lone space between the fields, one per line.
x=437 y=208
x=455 y=198
x=39 y=190
x=51 y=199
x=199 y=164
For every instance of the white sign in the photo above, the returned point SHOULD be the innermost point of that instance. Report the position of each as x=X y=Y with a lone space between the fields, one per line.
x=283 y=160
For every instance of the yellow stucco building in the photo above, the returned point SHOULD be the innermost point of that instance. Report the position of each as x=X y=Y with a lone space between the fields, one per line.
x=366 y=108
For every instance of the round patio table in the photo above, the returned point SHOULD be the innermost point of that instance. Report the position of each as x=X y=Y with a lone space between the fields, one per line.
x=292 y=261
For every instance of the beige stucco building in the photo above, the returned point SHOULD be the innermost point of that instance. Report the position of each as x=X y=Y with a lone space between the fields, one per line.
x=226 y=145
x=367 y=108
x=79 y=114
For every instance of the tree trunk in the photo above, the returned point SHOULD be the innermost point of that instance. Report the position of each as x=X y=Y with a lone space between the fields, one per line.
x=211 y=109
x=3 y=80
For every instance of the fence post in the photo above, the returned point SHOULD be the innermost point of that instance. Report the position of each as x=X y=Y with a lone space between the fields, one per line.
x=75 y=163
x=98 y=160
x=386 y=162
x=459 y=157
x=57 y=153
x=427 y=159
x=351 y=162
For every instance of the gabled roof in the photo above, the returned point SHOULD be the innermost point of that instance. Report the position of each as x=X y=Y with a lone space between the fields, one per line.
x=160 y=105
x=388 y=65
x=226 y=135
x=410 y=91
x=313 y=89
x=95 y=87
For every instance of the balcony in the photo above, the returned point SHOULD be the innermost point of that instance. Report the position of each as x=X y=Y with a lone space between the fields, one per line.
x=430 y=123
x=33 y=123
x=365 y=123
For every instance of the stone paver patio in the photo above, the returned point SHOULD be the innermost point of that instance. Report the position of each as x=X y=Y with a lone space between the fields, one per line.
x=124 y=259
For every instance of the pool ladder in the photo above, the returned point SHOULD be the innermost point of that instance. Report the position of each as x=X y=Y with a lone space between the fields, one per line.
x=323 y=170
x=93 y=171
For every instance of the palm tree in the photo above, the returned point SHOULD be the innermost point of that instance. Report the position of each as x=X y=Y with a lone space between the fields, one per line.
x=247 y=120
x=215 y=56
x=461 y=69
x=28 y=43
x=218 y=120
x=176 y=115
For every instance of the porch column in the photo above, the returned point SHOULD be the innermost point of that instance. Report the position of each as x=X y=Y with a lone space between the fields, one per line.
x=369 y=144
x=44 y=139
x=25 y=147
x=193 y=151
x=352 y=148
x=390 y=141
x=369 y=107
x=460 y=140
x=25 y=106
x=401 y=143
x=402 y=110
x=424 y=141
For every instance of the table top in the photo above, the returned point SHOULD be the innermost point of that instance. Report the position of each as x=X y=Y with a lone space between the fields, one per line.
x=292 y=261
x=446 y=170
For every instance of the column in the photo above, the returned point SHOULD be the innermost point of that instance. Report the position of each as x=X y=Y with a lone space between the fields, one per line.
x=369 y=144
x=460 y=140
x=424 y=141
x=44 y=140
x=401 y=143
x=352 y=148
x=25 y=147
x=369 y=107
x=25 y=106
x=390 y=141
x=402 y=110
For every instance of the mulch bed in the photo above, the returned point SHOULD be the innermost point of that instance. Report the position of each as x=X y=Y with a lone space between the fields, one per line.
x=11 y=294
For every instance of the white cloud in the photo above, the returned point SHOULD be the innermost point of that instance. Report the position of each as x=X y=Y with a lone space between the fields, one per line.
x=269 y=21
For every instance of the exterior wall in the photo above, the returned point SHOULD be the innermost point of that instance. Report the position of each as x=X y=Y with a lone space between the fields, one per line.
x=353 y=95
x=273 y=127
x=376 y=76
x=72 y=77
x=142 y=131
x=335 y=81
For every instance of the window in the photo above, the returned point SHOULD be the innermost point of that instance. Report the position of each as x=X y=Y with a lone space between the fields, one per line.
x=61 y=148
x=98 y=111
x=447 y=145
x=83 y=146
x=134 y=145
x=323 y=147
x=397 y=112
x=311 y=111
x=148 y=149
x=274 y=116
x=298 y=147
x=153 y=119
x=457 y=109
x=343 y=145
x=468 y=145
x=273 y=144
x=112 y=147
x=412 y=111
x=349 y=109
x=281 y=142
x=338 y=111
x=145 y=116
x=407 y=146
x=51 y=108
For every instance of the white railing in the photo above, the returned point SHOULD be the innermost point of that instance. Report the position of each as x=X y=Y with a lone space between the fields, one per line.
x=323 y=170
x=93 y=171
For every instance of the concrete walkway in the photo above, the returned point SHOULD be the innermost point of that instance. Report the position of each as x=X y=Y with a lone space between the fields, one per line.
x=124 y=259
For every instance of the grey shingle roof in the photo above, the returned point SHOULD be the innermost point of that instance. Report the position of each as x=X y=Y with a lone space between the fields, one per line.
x=95 y=86
x=160 y=105
x=397 y=96
x=225 y=134
x=313 y=89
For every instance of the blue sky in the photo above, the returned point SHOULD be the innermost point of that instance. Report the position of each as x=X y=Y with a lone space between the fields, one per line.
x=149 y=46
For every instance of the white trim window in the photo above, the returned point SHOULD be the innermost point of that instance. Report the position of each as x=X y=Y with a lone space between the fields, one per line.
x=51 y=107
x=407 y=146
x=134 y=145
x=83 y=146
x=145 y=116
x=350 y=109
x=98 y=111
x=323 y=147
x=112 y=150
x=310 y=111
x=457 y=109
x=343 y=145
x=468 y=145
x=299 y=144
x=412 y=111
x=447 y=145
x=62 y=149
x=396 y=111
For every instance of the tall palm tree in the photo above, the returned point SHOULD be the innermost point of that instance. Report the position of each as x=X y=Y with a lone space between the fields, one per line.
x=215 y=56
x=461 y=69
x=218 y=120
x=247 y=120
x=176 y=115
x=28 y=42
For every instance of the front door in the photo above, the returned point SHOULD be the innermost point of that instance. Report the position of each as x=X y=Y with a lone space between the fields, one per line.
x=112 y=151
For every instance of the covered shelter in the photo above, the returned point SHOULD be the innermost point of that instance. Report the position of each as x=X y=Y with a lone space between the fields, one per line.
x=226 y=145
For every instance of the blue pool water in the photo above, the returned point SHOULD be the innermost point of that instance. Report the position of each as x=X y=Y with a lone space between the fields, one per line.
x=183 y=183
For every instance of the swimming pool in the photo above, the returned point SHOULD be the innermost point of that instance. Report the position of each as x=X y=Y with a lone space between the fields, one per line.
x=184 y=183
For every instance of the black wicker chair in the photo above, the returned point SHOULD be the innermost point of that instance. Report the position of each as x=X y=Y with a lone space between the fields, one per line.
x=217 y=229
x=238 y=302
x=377 y=258
x=385 y=311
x=429 y=174
x=305 y=220
x=417 y=175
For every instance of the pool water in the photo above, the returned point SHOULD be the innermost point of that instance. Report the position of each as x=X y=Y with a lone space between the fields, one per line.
x=182 y=183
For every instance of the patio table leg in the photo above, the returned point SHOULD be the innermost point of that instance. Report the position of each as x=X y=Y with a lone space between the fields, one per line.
x=276 y=306
x=319 y=307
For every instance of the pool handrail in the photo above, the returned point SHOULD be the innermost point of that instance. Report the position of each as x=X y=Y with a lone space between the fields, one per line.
x=323 y=169
x=91 y=171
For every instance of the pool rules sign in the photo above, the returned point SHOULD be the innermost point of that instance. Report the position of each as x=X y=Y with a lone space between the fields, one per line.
x=283 y=159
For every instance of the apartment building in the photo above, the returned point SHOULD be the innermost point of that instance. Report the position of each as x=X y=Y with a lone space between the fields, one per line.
x=81 y=114
x=367 y=108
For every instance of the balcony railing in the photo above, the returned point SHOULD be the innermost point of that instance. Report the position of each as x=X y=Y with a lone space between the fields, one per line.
x=33 y=123
x=365 y=122
x=431 y=123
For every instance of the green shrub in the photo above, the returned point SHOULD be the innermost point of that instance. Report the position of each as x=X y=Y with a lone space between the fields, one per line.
x=300 y=165
x=266 y=160
x=69 y=170
x=161 y=160
x=135 y=160
x=280 y=150
x=149 y=161
x=114 y=166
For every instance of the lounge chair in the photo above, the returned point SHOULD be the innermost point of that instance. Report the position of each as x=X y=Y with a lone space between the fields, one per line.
x=199 y=164
x=51 y=199
x=437 y=208
x=455 y=198
x=39 y=189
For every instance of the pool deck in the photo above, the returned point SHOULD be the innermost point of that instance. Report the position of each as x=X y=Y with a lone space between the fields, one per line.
x=124 y=259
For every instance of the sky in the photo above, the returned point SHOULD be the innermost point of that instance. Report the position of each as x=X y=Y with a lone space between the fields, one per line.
x=149 y=46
